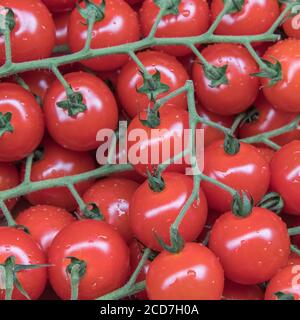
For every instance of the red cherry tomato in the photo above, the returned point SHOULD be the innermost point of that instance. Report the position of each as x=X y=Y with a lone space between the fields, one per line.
x=79 y=132
x=18 y=244
x=103 y=250
x=192 y=274
x=245 y=171
x=251 y=249
x=153 y=212
x=58 y=162
x=27 y=123
x=294 y=259
x=256 y=17
x=119 y=26
x=34 y=24
x=286 y=281
x=188 y=63
x=172 y=74
x=60 y=5
x=61 y=21
x=266 y=153
x=291 y=25
x=235 y=291
x=9 y=178
x=285 y=173
x=284 y=94
x=44 y=222
x=241 y=90
x=269 y=119
x=192 y=20
x=112 y=196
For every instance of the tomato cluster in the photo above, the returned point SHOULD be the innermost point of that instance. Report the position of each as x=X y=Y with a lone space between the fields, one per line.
x=83 y=227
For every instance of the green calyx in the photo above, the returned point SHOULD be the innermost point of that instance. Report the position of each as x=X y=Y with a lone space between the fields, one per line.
x=273 y=202
x=153 y=118
x=177 y=242
x=273 y=71
x=7 y=20
x=92 y=10
x=242 y=205
x=216 y=75
x=152 y=86
x=234 y=5
x=171 y=6
x=155 y=181
x=284 y=296
x=231 y=144
x=5 y=123
x=92 y=211
x=76 y=269
x=73 y=104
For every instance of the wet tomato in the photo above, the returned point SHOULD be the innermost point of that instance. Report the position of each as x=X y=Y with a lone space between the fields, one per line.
x=236 y=291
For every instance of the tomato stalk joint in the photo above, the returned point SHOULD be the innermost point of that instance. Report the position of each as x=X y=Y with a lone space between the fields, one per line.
x=242 y=205
x=93 y=212
x=177 y=242
x=7 y=19
x=5 y=123
x=92 y=11
x=170 y=6
x=76 y=269
x=73 y=104
x=272 y=201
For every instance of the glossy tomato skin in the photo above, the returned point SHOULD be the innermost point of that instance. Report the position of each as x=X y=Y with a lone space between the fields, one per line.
x=172 y=74
x=245 y=171
x=79 y=133
x=269 y=119
x=285 y=174
x=61 y=21
x=192 y=274
x=256 y=17
x=103 y=250
x=27 y=122
x=236 y=291
x=112 y=196
x=154 y=212
x=291 y=25
x=119 y=26
x=193 y=20
x=26 y=251
x=9 y=178
x=44 y=223
x=242 y=88
x=58 y=162
x=147 y=152
x=266 y=153
x=284 y=94
x=251 y=249
x=34 y=24
x=285 y=281
x=60 y=5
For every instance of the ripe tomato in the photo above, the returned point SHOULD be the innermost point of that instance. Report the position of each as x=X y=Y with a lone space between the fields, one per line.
x=188 y=62
x=269 y=119
x=172 y=74
x=256 y=17
x=291 y=25
x=266 y=153
x=61 y=21
x=44 y=222
x=9 y=178
x=60 y=5
x=236 y=291
x=27 y=123
x=34 y=24
x=149 y=147
x=119 y=26
x=103 y=250
x=154 y=212
x=193 y=20
x=245 y=171
x=79 y=132
x=18 y=244
x=241 y=90
x=294 y=259
x=112 y=196
x=285 y=281
x=192 y=274
x=58 y=162
x=285 y=173
x=284 y=94
x=253 y=248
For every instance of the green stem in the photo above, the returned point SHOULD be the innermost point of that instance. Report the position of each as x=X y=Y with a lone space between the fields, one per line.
x=8 y=53
x=62 y=80
x=28 y=168
x=219 y=18
x=10 y=220
x=77 y=197
x=294 y=231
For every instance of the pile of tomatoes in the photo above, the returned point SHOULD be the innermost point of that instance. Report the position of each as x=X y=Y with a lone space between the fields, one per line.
x=96 y=240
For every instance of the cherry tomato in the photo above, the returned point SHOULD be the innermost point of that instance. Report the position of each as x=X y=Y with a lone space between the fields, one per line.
x=291 y=25
x=58 y=162
x=251 y=249
x=255 y=17
x=294 y=259
x=9 y=178
x=172 y=74
x=240 y=91
x=188 y=62
x=269 y=119
x=192 y=274
x=44 y=222
x=18 y=244
x=34 y=24
x=285 y=173
x=236 y=291
x=104 y=252
x=79 y=132
x=192 y=20
x=286 y=281
x=266 y=153
x=119 y=26
x=60 y=5
x=284 y=94
x=112 y=196
x=61 y=21
x=20 y=135
x=153 y=212
x=245 y=171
